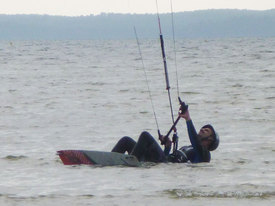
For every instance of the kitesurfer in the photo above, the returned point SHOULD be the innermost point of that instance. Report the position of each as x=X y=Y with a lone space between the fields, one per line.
x=148 y=150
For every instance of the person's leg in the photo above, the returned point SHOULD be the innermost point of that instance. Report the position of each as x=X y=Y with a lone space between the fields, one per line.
x=125 y=144
x=147 y=149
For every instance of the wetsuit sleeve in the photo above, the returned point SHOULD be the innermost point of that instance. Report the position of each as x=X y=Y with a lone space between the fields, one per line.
x=192 y=133
x=202 y=155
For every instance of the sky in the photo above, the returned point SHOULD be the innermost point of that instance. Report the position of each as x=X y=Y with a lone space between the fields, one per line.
x=87 y=7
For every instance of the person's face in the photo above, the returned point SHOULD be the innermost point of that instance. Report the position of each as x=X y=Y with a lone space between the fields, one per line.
x=205 y=137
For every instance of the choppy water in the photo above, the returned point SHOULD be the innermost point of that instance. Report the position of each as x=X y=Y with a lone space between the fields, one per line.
x=87 y=94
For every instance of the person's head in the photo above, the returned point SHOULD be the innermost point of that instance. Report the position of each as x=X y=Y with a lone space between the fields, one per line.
x=208 y=137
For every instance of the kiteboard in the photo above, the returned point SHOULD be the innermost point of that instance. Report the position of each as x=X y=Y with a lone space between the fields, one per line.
x=78 y=157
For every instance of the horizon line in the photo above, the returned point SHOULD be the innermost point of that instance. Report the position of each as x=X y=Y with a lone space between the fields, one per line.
x=122 y=13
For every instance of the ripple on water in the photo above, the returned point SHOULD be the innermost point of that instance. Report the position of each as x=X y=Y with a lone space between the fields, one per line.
x=15 y=157
x=182 y=193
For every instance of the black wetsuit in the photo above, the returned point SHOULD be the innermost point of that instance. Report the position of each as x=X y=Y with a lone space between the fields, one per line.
x=148 y=150
x=195 y=152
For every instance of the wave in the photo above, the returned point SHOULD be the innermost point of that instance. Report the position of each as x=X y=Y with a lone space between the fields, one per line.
x=179 y=193
x=14 y=157
x=41 y=197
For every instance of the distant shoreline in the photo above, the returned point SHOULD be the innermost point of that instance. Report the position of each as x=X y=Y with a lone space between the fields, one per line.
x=213 y=23
x=114 y=13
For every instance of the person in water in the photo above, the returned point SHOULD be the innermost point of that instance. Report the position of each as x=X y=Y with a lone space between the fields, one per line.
x=148 y=150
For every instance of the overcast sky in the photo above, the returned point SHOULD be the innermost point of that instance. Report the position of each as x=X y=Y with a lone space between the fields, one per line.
x=87 y=7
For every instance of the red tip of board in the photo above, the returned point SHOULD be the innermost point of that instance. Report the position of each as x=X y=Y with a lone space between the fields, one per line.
x=73 y=157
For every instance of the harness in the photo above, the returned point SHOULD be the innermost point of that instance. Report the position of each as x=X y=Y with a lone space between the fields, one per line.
x=184 y=154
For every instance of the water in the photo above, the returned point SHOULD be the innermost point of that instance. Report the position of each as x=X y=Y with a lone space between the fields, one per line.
x=87 y=94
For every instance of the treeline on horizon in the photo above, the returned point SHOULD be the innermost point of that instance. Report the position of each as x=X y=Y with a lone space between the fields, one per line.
x=226 y=23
